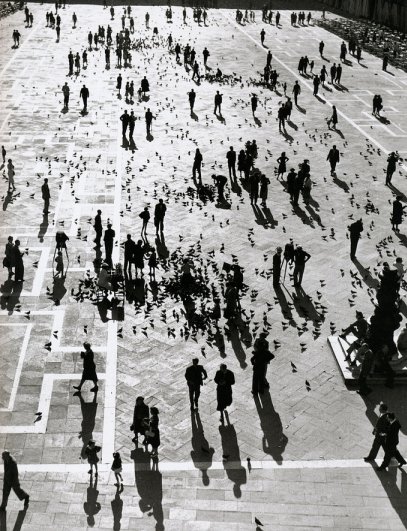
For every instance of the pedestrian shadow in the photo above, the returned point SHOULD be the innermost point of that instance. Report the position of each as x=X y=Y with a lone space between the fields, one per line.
x=194 y=116
x=274 y=440
x=10 y=297
x=117 y=509
x=347 y=62
x=59 y=289
x=235 y=188
x=91 y=506
x=221 y=118
x=402 y=238
x=292 y=125
x=387 y=72
x=271 y=223
x=88 y=411
x=132 y=145
x=223 y=204
x=301 y=109
x=325 y=59
x=149 y=486
x=320 y=99
x=342 y=184
x=64 y=110
x=313 y=214
x=304 y=306
x=7 y=200
x=281 y=300
x=325 y=87
x=383 y=120
x=257 y=121
x=162 y=250
x=18 y=524
x=396 y=191
x=237 y=332
x=43 y=228
x=367 y=277
x=287 y=136
x=201 y=453
x=341 y=87
x=231 y=454
x=149 y=137
x=298 y=211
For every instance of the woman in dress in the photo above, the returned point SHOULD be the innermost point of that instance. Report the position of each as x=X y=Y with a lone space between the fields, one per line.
x=264 y=182
x=241 y=161
x=138 y=256
x=397 y=214
x=282 y=164
x=8 y=260
x=89 y=368
x=91 y=452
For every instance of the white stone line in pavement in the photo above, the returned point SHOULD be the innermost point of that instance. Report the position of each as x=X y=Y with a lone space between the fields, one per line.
x=309 y=87
x=109 y=413
x=185 y=466
x=40 y=274
x=44 y=404
x=20 y=364
x=69 y=153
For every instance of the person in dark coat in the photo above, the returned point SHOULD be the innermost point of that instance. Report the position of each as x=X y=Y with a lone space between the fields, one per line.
x=241 y=161
x=220 y=183
x=139 y=257
x=18 y=262
x=224 y=378
x=301 y=257
x=379 y=433
x=141 y=415
x=46 y=196
x=159 y=215
x=254 y=187
x=109 y=239
x=333 y=157
x=355 y=230
x=11 y=481
x=125 y=120
x=98 y=227
x=333 y=119
x=196 y=168
x=392 y=440
x=291 y=177
x=128 y=254
x=260 y=359
x=194 y=375
x=89 y=369
x=145 y=86
x=282 y=164
x=231 y=158
x=391 y=166
x=192 y=98
x=264 y=183
x=84 y=94
x=397 y=214
x=91 y=452
x=8 y=260
x=277 y=266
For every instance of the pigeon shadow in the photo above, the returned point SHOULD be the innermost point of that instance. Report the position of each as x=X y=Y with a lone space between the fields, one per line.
x=88 y=411
x=91 y=506
x=274 y=440
x=201 y=453
x=232 y=464
x=149 y=484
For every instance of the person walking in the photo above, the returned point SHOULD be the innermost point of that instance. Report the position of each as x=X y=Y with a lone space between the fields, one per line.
x=18 y=262
x=98 y=228
x=159 y=215
x=196 y=168
x=355 y=230
x=277 y=266
x=397 y=213
x=191 y=98
x=333 y=119
x=390 y=445
x=333 y=158
x=149 y=118
x=109 y=239
x=153 y=432
x=224 y=378
x=391 y=166
x=145 y=216
x=194 y=375
x=254 y=100
x=264 y=184
x=141 y=415
x=3 y=154
x=296 y=92
x=231 y=158
x=301 y=257
x=84 y=94
x=46 y=196
x=11 y=481
x=379 y=432
x=89 y=368
x=117 y=468
x=262 y=36
x=138 y=257
x=218 y=103
x=260 y=359
x=128 y=254
x=10 y=174
x=8 y=260
x=91 y=452
x=66 y=92
x=125 y=120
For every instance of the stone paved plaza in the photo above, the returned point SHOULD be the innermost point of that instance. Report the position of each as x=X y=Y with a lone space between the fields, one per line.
x=295 y=455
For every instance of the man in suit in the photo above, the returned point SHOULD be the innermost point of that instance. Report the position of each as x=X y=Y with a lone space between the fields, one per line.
x=98 y=227
x=231 y=158
x=159 y=215
x=301 y=257
x=355 y=230
x=84 y=94
x=108 y=239
x=128 y=254
x=333 y=157
x=46 y=196
x=392 y=440
x=11 y=481
x=194 y=375
x=379 y=433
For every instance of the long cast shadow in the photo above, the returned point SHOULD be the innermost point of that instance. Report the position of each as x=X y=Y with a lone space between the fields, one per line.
x=149 y=485
x=231 y=453
x=117 y=509
x=274 y=440
x=88 y=410
x=201 y=453
x=91 y=506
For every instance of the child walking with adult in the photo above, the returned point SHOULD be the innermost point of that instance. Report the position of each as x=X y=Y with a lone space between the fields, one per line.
x=91 y=452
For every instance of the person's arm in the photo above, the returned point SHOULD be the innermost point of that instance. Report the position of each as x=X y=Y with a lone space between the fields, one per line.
x=204 y=373
x=307 y=256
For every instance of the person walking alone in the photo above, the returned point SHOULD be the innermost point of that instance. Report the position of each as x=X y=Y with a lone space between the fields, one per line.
x=379 y=432
x=224 y=379
x=89 y=369
x=46 y=196
x=11 y=481
x=194 y=375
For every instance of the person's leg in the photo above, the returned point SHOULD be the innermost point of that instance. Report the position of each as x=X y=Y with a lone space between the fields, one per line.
x=197 y=395
x=20 y=493
x=6 y=494
x=377 y=443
